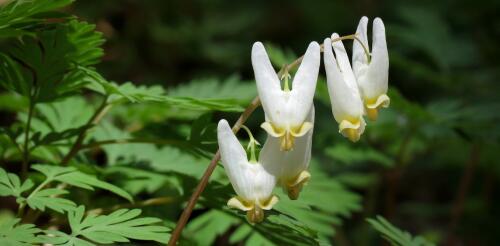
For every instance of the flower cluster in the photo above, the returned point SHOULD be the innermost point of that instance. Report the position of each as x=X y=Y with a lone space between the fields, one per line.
x=284 y=159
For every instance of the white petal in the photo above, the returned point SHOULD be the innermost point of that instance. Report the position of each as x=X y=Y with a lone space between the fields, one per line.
x=343 y=61
x=233 y=157
x=344 y=94
x=304 y=83
x=268 y=83
x=250 y=180
x=288 y=164
x=359 y=57
x=262 y=182
x=379 y=66
x=373 y=78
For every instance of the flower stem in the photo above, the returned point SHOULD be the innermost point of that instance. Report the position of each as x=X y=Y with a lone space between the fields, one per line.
x=251 y=144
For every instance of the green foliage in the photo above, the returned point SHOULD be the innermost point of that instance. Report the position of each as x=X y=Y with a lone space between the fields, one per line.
x=18 y=16
x=119 y=226
x=10 y=184
x=13 y=233
x=71 y=176
x=48 y=198
x=396 y=236
x=43 y=68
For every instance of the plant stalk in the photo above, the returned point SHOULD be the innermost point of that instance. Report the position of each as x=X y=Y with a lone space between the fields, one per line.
x=26 y=151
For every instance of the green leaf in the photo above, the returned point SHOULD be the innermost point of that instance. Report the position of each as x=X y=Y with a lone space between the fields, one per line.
x=137 y=180
x=396 y=236
x=17 y=17
x=48 y=198
x=128 y=92
x=10 y=184
x=72 y=176
x=43 y=68
x=232 y=88
x=119 y=226
x=86 y=181
x=205 y=228
x=12 y=233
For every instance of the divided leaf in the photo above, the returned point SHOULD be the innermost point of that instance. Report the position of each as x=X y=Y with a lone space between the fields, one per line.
x=10 y=184
x=48 y=198
x=17 y=17
x=396 y=236
x=119 y=226
x=42 y=68
x=72 y=176
x=12 y=233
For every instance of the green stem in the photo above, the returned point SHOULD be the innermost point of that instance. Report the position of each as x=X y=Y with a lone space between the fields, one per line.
x=20 y=211
x=251 y=144
x=96 y=117
x=26 y=151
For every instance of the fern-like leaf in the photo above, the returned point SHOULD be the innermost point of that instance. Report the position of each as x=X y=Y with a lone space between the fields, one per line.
x=119 y=226
x=396 y=236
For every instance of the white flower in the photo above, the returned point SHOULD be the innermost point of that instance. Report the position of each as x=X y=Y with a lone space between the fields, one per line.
x=286 y=110
x=347 y=106
x=252 y=183
x=372 y=74
x=289 y=167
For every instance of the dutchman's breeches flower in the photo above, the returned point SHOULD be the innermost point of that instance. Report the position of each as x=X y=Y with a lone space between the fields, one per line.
x=252 y=183
x=347 y=106
x=286 y=110
x=289 y=167
x=372 y=72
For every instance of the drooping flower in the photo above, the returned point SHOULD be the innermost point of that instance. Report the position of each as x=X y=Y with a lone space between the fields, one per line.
x=372 y=72
x=251 y=182
x=289 y=167
x=347 y=106
x=286 y=110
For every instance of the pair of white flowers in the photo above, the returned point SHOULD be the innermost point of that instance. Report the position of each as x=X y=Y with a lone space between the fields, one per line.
x=284 y=158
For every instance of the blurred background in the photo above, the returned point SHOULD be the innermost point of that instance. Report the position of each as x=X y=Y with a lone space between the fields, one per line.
x=429 y=164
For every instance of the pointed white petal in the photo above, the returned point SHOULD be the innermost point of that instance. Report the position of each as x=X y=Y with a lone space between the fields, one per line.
x=359 y=58
x=304 y=84
x=268 y=83
x=343 y=61
x=379 y=66
x=344 y=94
x=233 y=158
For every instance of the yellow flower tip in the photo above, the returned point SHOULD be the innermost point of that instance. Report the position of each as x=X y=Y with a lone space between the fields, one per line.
x=350 y=130
x=268 y=204
x=254 y=210
x=240 y=203
x=301 y=130
x=352 y=134
x=272 y=130
x=373 y=105
x=294 y=187
x=372 y=113
x=255 y=215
